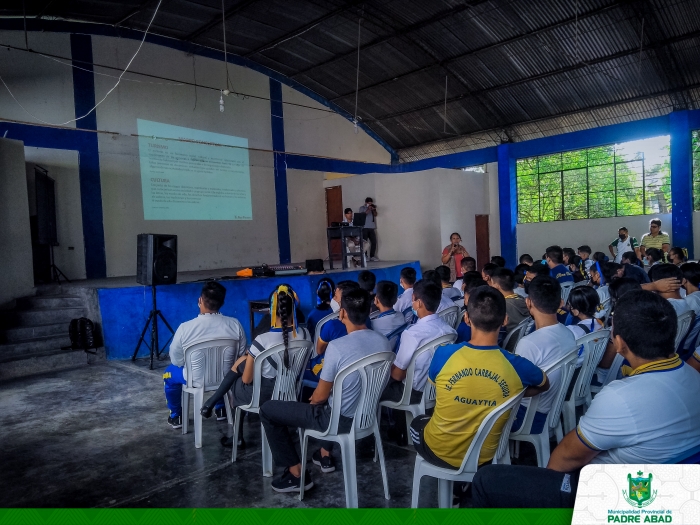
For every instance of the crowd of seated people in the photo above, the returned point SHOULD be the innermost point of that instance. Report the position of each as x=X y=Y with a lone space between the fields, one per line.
x=636 y=416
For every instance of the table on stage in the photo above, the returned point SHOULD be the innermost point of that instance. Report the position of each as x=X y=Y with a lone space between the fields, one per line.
x=343 y=233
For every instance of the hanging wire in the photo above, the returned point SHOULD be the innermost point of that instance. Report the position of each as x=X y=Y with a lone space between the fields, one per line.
x=223 y=29
x=357 y=80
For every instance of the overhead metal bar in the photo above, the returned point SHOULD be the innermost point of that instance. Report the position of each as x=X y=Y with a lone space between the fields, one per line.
x=216 y=20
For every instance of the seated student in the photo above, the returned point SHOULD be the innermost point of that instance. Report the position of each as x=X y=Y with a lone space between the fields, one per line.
x=576 y=268
x=631 y=269
x=389 y=319
x=601 y=276
x=407 y=278
x=278 y=416
x=447 y=289
x=471 y=282
x=468 y=265
x=503 y=280
x=324 y=294
x=426 y=298
x=549 y=342
x=537 y=268
x=444 y=438
x=665 y=271
x=654 y=256
x=334 y=328
x=584 y=252
x=519 y=278
x=240 y=378
x=208 y=325
x=555 y=261
x=445 y=302
x=367 y=281
x=567 y=256
x=677 y=256
x=498 y=261
x=526 y=258
x=487 y=271
x=648 y=417
x=583 y=305
x=691 y=284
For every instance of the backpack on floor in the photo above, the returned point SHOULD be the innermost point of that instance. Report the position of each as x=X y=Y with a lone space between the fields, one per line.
x=81 y=333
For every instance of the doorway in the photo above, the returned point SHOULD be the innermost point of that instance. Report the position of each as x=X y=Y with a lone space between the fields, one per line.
x=334 y=213
x=483 y=254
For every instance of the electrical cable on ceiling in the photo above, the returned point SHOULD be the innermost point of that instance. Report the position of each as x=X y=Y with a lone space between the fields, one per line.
x=103 y=98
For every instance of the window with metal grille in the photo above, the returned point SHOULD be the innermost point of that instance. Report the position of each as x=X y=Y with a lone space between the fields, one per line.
x=632 y=178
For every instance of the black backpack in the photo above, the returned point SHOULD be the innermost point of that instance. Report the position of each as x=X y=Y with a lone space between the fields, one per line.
x=81 y=333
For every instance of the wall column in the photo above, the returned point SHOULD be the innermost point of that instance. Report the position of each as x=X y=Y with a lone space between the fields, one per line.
x=281 y=198
x=681 y=181
x=508 y=205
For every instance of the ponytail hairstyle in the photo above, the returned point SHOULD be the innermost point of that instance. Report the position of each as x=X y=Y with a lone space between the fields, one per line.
x=283 y=303
x=324 y=292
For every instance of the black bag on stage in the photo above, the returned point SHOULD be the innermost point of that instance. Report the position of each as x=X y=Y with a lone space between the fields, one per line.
x=82 y=334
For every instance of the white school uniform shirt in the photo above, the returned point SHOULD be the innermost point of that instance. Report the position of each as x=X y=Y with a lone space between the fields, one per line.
x=650 y=417
x=544 y=347
x=388 y=321
x=458 y=285
x=592 y=325
x=426 y=329
x=445 y=302
x=451 y=294
x=206 y=327
x=693 y=301
x=404 y=301
x=273 y=338
x=680 y=305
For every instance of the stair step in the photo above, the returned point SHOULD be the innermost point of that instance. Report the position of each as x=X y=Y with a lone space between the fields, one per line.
x=39 y=345
x=25 y=333
x=39 y=316
x=50 y=301
x=47 y=361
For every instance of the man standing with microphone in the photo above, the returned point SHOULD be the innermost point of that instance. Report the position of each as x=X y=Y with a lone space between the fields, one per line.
x=370 y=228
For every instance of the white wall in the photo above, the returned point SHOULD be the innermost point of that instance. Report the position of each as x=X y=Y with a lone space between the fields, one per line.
x=597 y=233
x=16 y=279
x=418 y=211
x=62 y=166
x=307 y=215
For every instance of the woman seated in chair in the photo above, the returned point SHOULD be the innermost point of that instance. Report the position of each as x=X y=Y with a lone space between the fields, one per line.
x=239 y=380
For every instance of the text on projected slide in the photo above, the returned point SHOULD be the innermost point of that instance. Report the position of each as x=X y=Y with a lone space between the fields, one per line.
x=188 y=174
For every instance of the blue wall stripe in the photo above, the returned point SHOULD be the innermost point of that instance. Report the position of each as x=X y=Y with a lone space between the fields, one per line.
x=681 y=181
x=59 y=26
x=88 y=159
x=508 y=204
x=281 y=196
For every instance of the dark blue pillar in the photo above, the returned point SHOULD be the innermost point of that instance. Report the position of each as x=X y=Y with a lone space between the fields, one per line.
x=88 y=158
x=281 y=199
x=681 y=180
x=508 y=205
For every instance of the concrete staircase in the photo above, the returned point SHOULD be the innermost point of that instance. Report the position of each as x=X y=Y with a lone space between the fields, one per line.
x=33 y=333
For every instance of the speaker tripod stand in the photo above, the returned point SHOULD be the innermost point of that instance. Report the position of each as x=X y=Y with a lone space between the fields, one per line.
x=152 y=321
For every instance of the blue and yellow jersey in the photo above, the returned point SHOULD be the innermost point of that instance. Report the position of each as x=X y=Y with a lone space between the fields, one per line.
x=470 y=382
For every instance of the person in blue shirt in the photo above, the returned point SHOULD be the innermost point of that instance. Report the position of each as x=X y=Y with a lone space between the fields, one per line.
x=471 y=282
x=555 y=260
x=324 y=294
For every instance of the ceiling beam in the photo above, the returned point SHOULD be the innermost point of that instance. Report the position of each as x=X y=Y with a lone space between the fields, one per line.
x=217 y=20
x=473 y=52
x=400 y=32
x=540 y=76
x=132 y=13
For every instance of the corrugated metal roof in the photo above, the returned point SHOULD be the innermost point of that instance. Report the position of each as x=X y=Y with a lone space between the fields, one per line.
x=515 y=69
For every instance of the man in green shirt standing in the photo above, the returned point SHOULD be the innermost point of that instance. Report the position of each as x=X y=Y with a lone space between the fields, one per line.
x=624 y=243
x=655 y=238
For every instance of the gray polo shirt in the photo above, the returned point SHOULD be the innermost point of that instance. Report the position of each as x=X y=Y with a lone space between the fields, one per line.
x=369 y=222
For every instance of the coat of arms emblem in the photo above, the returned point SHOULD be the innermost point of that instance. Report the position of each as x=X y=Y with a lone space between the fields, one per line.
x=640 y=493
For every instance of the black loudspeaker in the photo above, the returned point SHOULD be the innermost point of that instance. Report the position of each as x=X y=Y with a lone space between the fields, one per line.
x=156 y=260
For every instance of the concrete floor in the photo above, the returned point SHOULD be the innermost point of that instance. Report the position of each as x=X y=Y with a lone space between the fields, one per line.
x=97 y=436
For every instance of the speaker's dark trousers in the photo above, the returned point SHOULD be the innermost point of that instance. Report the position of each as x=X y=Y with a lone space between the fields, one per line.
x=371 y=234
x=278 y=416
x=518 y=486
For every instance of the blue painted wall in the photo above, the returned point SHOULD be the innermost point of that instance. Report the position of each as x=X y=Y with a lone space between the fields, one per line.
x=125 y=310
x=281 y=194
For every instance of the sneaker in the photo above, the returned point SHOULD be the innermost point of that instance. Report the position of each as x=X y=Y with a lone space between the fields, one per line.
x=325 y=462
x=220 y=414
x=459 y=493
x=228 y=442
x=175 y=422
x=374 y=259
x=288 y=482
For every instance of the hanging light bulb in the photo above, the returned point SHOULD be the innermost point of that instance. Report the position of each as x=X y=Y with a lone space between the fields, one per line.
x=221 y=102
x=355 y=122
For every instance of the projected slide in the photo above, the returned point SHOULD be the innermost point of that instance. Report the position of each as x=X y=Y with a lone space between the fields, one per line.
x=192 y=175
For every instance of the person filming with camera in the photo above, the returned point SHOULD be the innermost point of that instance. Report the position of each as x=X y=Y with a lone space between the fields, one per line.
x=370 y=227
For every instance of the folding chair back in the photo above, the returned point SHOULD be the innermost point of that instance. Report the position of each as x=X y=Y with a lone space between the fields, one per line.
x=320 y=324
x=685 y=320
x=517 y=333
x=450 y=316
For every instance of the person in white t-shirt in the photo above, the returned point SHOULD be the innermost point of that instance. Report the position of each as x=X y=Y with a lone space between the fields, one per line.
x=278 y=416
x=650 y=416
x=388 y=319
x=549 y=342
x=665 y=271
x=445 y=301
x=209 y=324
x=623 y=244
x=403 y=303
x=691 y=284
x=239 y=380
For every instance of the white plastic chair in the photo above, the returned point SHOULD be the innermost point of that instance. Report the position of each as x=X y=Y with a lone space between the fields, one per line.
x=594 y=346
x=206 y=364
x=612 y=374
x=408 y=314
x=450 y=315
x=428 y=399
x=394 y=336
x=446 y=477
x=606 y=308
x=566 y=290
x=320 y=324
x=685 y=321
x=566 y=365
x=517 y=333
x=374 y=371
x=287 y=387
x=581 y=283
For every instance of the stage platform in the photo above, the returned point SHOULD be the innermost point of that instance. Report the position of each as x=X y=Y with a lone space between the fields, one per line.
x=122 y=305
